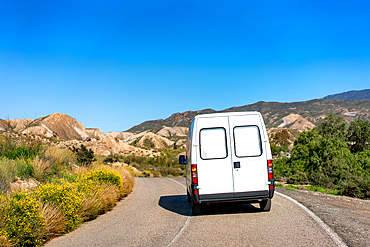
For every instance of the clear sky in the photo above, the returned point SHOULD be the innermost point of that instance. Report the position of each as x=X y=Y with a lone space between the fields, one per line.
x=115 y=64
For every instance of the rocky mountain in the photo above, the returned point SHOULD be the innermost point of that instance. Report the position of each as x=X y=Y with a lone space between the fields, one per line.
x=56 y=125
x=351 y=95
x=4 y=126
x=95 y=133
x=151 y=140
x=124 y=136
x=296 y=122
x=106 y=146
x=296 y=115
x=171 y=131
x=155 y=138
x=63 y=127
x=18 y=124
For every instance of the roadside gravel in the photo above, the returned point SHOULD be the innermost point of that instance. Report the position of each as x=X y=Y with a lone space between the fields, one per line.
x=349 y=217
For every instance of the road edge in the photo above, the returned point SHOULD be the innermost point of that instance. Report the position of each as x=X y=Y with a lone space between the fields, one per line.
x=174 y=240
x=333 y=235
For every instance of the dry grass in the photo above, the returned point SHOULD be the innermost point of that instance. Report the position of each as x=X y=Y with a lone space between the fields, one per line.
x=127 y=178
x=101 y=200
x=104 y=197
x=91 y=206
x=4 y=242
x=54 y=220
x=59 y=157
x=109 y=197
x=40 y=168
x=80 y=169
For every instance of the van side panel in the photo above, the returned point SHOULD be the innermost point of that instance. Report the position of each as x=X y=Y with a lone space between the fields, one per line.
x=189 y=155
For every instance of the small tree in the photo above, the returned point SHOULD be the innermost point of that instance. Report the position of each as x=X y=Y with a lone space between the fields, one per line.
x=334 y=126
x=111 y=158
x=359 y=135
x=84 y=156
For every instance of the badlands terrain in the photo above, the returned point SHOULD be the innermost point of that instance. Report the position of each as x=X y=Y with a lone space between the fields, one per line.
x=65 y=131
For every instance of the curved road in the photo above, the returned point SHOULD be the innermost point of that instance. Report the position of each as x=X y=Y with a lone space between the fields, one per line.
x=157 y=213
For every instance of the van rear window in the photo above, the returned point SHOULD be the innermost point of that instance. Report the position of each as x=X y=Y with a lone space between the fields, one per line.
x=247 y=141
x=213 y=143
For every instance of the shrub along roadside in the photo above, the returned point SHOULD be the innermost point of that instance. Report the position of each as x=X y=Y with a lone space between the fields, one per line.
x=47 y=163
x=322 y=157
x=57 y=207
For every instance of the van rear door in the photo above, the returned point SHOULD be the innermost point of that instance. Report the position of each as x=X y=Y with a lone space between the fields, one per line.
x=214 y=161
x=248 y=154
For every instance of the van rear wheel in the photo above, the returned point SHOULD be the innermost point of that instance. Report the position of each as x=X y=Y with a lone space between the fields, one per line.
x=188 y=195
x=265 y=205
x=196 y=208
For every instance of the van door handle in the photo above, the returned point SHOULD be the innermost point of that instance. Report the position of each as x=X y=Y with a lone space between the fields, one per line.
x=237 y=164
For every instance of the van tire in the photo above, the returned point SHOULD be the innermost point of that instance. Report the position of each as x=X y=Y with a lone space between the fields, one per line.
x=196 y=208
x=265 y=205
x=188 y=195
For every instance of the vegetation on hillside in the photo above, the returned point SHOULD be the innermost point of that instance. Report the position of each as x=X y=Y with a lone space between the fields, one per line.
x=280 y=142
x=163 y=165
x=333 y=156
x=67 y=193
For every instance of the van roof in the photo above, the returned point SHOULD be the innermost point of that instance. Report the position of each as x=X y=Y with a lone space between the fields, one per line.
x=225 y=114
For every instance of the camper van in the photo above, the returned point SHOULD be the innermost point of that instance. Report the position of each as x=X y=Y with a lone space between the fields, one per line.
x=228 y=159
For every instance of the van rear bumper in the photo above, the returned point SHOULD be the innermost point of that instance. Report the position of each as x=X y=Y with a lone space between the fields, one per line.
x=233 y=197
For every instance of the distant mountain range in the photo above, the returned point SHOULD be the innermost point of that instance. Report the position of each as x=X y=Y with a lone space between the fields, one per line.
x=351 y=95
x=276 y=115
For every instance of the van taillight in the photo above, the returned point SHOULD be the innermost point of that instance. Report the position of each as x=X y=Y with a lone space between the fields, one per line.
x=194 y=174
x=270 y=169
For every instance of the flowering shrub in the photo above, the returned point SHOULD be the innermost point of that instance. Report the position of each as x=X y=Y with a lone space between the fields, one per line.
x=145 y=173
x=21 y=220
x=61 y=205
x=64 y=195
x=104 y=176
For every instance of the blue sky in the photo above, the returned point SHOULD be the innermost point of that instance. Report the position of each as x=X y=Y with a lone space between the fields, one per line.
x=114 y=64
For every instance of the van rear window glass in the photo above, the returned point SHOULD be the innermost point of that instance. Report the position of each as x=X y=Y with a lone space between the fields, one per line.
x=213 y=143
x=247 y=141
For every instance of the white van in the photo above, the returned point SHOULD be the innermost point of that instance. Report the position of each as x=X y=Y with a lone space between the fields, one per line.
x=228 y=159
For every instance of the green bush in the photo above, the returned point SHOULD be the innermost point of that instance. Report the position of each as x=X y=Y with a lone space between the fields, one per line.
x=162 y=165
x=327 y=162
x=23 y=148
x=84 y=156
x=111 y=158
x=333 y=126
x=359 y=135
x=104 y=176
x=9 y=169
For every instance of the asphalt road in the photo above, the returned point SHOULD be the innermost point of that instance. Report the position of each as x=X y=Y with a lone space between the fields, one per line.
x=157 y=213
